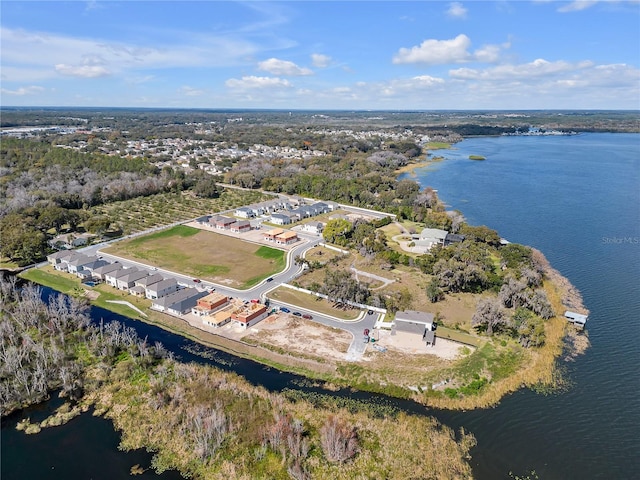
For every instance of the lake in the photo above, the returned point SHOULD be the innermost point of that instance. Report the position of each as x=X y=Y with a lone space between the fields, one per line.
x=576 y=198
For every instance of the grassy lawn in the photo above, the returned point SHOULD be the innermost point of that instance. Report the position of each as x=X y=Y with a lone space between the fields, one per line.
x=458 y=336
x=204 y=254
x=62 y=282
x=311 y=302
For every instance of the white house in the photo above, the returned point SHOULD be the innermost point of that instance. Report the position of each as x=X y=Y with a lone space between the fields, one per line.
x=280 y=219
x=161 y=288
x=313 y=227
x=430 y=237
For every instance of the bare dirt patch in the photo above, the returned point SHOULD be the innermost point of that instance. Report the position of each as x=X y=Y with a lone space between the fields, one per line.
x=302 y=337
x=411 y=343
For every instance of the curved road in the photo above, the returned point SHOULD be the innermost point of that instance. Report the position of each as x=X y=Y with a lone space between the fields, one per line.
x=355 y=327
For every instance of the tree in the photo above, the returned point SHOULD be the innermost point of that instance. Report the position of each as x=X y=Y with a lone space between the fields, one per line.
x=529 y=328
x=490 y=317
x=337 y=231
x=434 y=292
x=339 y=440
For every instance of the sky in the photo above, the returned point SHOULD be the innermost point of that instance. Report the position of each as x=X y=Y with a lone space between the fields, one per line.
x=322 y=55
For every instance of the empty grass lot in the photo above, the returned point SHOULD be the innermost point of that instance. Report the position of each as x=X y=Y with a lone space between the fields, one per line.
x=313 y=303
x=204 y=254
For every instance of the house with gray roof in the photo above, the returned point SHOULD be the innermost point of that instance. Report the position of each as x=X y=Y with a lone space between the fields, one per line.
x=420 y=323
x=111 y=278
x=178 y=303
x=280 y=219
x=100 y=272
x=127 y=281
x=161 y=288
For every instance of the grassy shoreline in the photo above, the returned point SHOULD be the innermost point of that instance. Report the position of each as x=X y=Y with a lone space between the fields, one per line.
x=537 y=369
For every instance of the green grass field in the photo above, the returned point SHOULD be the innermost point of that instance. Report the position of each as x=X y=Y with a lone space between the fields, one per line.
x=311 y=302
x=204 y=254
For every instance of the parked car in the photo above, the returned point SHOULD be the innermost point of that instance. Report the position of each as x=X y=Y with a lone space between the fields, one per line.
x=285 y=310
x=297 y=314
x=307 y=316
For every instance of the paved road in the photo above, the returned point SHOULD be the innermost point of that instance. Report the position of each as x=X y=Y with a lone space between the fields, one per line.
x=291 y=271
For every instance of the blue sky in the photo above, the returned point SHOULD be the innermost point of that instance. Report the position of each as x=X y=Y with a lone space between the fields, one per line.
x=322 y=55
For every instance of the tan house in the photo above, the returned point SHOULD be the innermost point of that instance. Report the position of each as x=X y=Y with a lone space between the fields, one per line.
x=208 y=304
x=250 y=314
x=286 y=238
x=271 y=235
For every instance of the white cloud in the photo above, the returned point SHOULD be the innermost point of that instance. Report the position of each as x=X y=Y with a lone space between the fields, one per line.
x=30 y=90
x=283 y=67
x=456 y=50
x=190 y=91
x=537 y=68
x=83 y=71
x=252 y=82
x=319 y=60
x=38 y=52
x=577 y=5
x=435 y=52
x=457 y=10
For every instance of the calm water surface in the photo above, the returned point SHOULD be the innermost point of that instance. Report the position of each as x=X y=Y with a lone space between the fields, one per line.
x=575 y=198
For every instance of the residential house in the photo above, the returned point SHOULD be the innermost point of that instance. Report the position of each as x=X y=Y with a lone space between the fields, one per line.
x=271 y=235
x=57 y=258
x=204 y=220
x=78 y=261
x=70 y=240
x=280 y=219
x=223 y=223
x=208 y=304
x=245 y=212
x=111 y=278
x=240 y=226
x=452 y=238
x=421 y=323
x=139 y=288
x=161 y=288
x=320 y=207
x=178 y=303
x=100 y=272
x=220 y=318
x=250 y=314
x=429 y=237
x=313 y=227
x=127 y=281
x=286 y=238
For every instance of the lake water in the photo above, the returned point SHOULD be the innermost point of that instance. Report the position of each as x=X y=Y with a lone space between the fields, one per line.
x=577 y=199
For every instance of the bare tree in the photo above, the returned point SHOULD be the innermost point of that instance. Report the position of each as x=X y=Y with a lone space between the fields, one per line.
x=339 y=440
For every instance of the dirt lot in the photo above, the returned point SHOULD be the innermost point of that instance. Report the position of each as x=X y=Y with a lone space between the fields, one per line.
x=302 y=336
x=405 y=342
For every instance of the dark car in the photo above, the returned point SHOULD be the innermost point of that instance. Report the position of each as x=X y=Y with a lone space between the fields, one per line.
x=370 y=312
x=297 y=314
x=307 y=316
x=270 y=279
x=284 y=309
x=197 y=280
